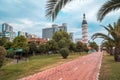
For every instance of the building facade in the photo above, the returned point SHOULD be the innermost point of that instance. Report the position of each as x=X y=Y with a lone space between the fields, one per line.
x=37 y=41
x=7 y=31
x=47 y=33
x=84 y=30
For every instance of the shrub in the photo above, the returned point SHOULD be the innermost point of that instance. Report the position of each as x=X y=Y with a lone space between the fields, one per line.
x=64 y=52
x=2 y=55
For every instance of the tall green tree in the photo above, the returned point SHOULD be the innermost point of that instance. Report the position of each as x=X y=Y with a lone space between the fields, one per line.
x=62 y=38
x=113 y=37
x=3 y=41
x=8 y=45
x=43 y=48
x=107 y=7
x=32 y=47
x=93 y=45
x=53 y=46
x=79 y=46
x=20 y=42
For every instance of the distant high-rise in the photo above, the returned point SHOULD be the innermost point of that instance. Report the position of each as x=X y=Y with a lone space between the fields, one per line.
x=20 y=33
x=71 y=36
x=7 y=28
x=84 y=30
x=7 y=31
x=47 y=33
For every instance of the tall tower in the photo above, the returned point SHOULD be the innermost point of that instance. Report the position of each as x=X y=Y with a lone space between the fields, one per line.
x=84 y=30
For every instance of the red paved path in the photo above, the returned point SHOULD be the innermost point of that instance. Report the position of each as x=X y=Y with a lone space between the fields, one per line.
x=84 y=68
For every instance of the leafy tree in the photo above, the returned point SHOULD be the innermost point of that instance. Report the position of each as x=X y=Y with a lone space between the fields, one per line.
x=53 y=46
x=110 y=5
x=62 y=38
x=72 y=46
x=2 y=55
x=43 y=48
x=8 y=45
x=93 y=45
x=113 y=37
x=79 y=46
x=85 y=48
x=32 y=47
x=3 y=41
x=20 y=42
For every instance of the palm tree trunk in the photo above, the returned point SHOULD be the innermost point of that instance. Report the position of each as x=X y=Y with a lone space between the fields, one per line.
x=117 y=54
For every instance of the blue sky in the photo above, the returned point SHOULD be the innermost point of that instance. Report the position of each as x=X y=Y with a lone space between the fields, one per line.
x=29 y=16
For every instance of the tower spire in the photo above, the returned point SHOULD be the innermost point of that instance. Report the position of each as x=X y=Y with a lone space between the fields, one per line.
x=84 y=16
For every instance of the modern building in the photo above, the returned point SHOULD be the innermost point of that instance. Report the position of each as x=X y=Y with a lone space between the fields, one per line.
x=7 y=31
x=26 y=35
x=47 y=33
x=20 y=33
x=84 y=30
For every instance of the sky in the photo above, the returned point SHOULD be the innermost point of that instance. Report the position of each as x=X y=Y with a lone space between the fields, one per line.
x=29 y=16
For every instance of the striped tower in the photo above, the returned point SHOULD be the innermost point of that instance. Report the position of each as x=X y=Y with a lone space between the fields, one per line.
x=84 y=30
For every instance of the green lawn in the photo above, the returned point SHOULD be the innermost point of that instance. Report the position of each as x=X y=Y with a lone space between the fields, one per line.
x=35 y=64
x=110 y=69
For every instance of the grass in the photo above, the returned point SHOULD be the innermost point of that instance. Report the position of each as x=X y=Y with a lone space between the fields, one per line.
x=110 y=70
x=35 y=64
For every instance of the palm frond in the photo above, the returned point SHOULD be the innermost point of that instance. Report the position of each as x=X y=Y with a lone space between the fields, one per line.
x=101 y=35
x=53 y=7
x=109 y=6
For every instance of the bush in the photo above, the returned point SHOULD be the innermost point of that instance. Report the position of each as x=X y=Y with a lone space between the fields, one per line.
x=2 y=55
x=64 y=52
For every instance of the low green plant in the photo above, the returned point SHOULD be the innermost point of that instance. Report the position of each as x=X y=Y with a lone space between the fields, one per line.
x=64 y=52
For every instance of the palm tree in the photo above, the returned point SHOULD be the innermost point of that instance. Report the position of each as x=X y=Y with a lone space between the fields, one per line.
x=54 y=6
x=109 y=46
x=110 y=5
x=113 y=37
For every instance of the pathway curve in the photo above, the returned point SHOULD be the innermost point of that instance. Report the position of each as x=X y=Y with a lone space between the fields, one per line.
x=83 y=68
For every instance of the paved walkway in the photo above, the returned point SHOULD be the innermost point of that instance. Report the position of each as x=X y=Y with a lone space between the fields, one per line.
x=84 y=68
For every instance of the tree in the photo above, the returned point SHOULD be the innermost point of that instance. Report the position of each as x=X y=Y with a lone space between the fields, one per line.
x=110 y=5
x=79 y=46
x=43 y=48
x=113 y=37
x=109 y=47
x=53 y=46
x=54 y=6
x=3 y=40
x=62 y=38
x=8 y=45
x=72 y=46
x=93 y=45
x=20 y=42
x=2 y=55
x=32 y=47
